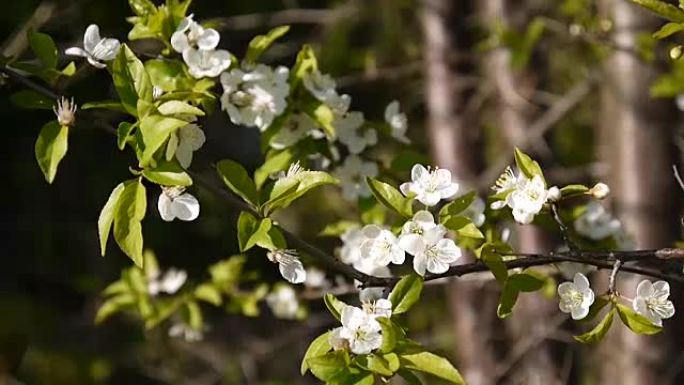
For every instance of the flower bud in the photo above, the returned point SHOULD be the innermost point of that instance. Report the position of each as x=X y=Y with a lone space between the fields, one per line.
x=600 y=190
x=676 y=52
x=554 y=194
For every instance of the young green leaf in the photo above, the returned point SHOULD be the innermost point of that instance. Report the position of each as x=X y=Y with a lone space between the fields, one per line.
x=289 y=189
x=113 y=105
x=44 y=48
x=208 y=293
x=322 y=114
x=114 y=305
x=238 y=181
x=663 y=9
x=390 y=197
x=457 y=206
x=463 y=226
x=597 y=333
x=409 y=377
x=494 y=262
x=123 y=132
x=247 y=224
x=406 y=293
x=104 y=222
x=318 y=347
x=261 y=236
x=275 y=162
x=130 y=80
x=260 y=43
x=636 y=322
x=168 y=174
x=176 y=107
x=527 y=165
x=334 y=305
x=330 y=365
x=389 y=335
x=509 y=296
x=525 y=282
x=573 y=189
x=128 y=214
x=305 y=63
x=375 y=364
x=50 y=148
x=155 y=130
x=433 y=364
x=667 y=30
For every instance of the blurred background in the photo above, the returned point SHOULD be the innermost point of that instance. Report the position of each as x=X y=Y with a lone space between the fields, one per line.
x=578 y=84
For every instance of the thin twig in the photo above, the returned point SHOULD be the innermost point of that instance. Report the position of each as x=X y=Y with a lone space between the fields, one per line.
x=613 y=275
x=565 y=233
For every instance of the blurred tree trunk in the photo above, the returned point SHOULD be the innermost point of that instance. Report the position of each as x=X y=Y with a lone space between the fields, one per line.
x=635 y=145
x=512 y=113
x=452 y=148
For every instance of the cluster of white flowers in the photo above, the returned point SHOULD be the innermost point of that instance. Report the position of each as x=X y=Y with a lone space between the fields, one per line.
x=296 y=127
x=352 y=175
x=174 y=203
x=283 y=302
x=255 y=97
x=324 y=88
x=198 y=47
x=360 y=331
x=96 y=49
x=429 y=186
x=576 y=297
x=350 y=253
x=290 y=266
x=168 y=283
x=184 y=142
x=427 y=242
x=597 y=223
x=525 y=196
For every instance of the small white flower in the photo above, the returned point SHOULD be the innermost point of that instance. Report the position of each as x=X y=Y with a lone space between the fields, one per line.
x=554 y=194
x=360 y=332
x=526 y=197
x=421 y=222
x=174 y=203
x=190 y=34
x=186 y=332
x=283 y=302
x=65 y=110
x=381 y=246
x=206 y=63
x=96 y=49
x=397 y=121
x=352 y=175
x=430 y=186
x=600 y=190
x=349 y=132
x=322 y=86
x=430 y=250
x=651 y=301
x=293 y=130
x=316 y=279
x=183 y=143
x=476 y=212
x=290 y=266
x=378 y=308
x=256 y=97
x=169 y=283
x=596 y=223
x=576 y=297
x=350 y=252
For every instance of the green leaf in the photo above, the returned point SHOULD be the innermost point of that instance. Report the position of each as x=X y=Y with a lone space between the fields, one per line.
x=374 y=363
x=527 y=165
x=318 y=347
x=305 y=63
x=130 y=80
x=636 y=322
x=322 y=114
x=334 y=305
x=114 y=305
x=168 y=75
x=32 y=100
x=326 y=367
x=406 y=293
x=458 y=205
x=289 y=189
x=194 y=315
x=208 y=293
x=573 y=189
x=142 y=7
x=494 y=262
x=409 y=377
x=123 y=132
x=597 y=333
x=44 y=48
x=104 y=222
x=262 y=236
x=463 y=226
x=128 y=214
x=50 y=148
x=525 y=283
x=175 y=107
x=273 y=164
x=509 y=296
x=155 y=130
x=667 y=30
x=168 y=174
x=238 y=180
x=227 y=273
x=662 y=9
x=390 y=197
x=389 y=334
x=113 y=105
x=433 y=364
x=260 y=43
x=246 y=226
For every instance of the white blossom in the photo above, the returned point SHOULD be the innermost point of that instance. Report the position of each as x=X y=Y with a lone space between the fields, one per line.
x=350 y=252
x=596 y=222
x=360 y=332
x=65 y=110
x=323 y=87
x=381 y=246
x=350 y=133
x=183 y=143
x=506 y=181
x=96 y=49
x=430 y=185
x=256 y=97
x=174 y=203
x=290 y=266
x=431 y=250
x=421 y=222
x=475 y=211
x=169 y=283
x=600 y=190
x=186 y=332
x=576 y=297
x=296 y=127
x=206 y=63
x=397 y=121
x=526 y=197
x=651 y=301
x=378 y=308
x=190 y=34
x=283 y=302
x=352 y=175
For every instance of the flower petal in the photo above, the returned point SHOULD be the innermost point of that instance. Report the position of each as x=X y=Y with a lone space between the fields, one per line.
x=186 y=207
x=164 y=207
